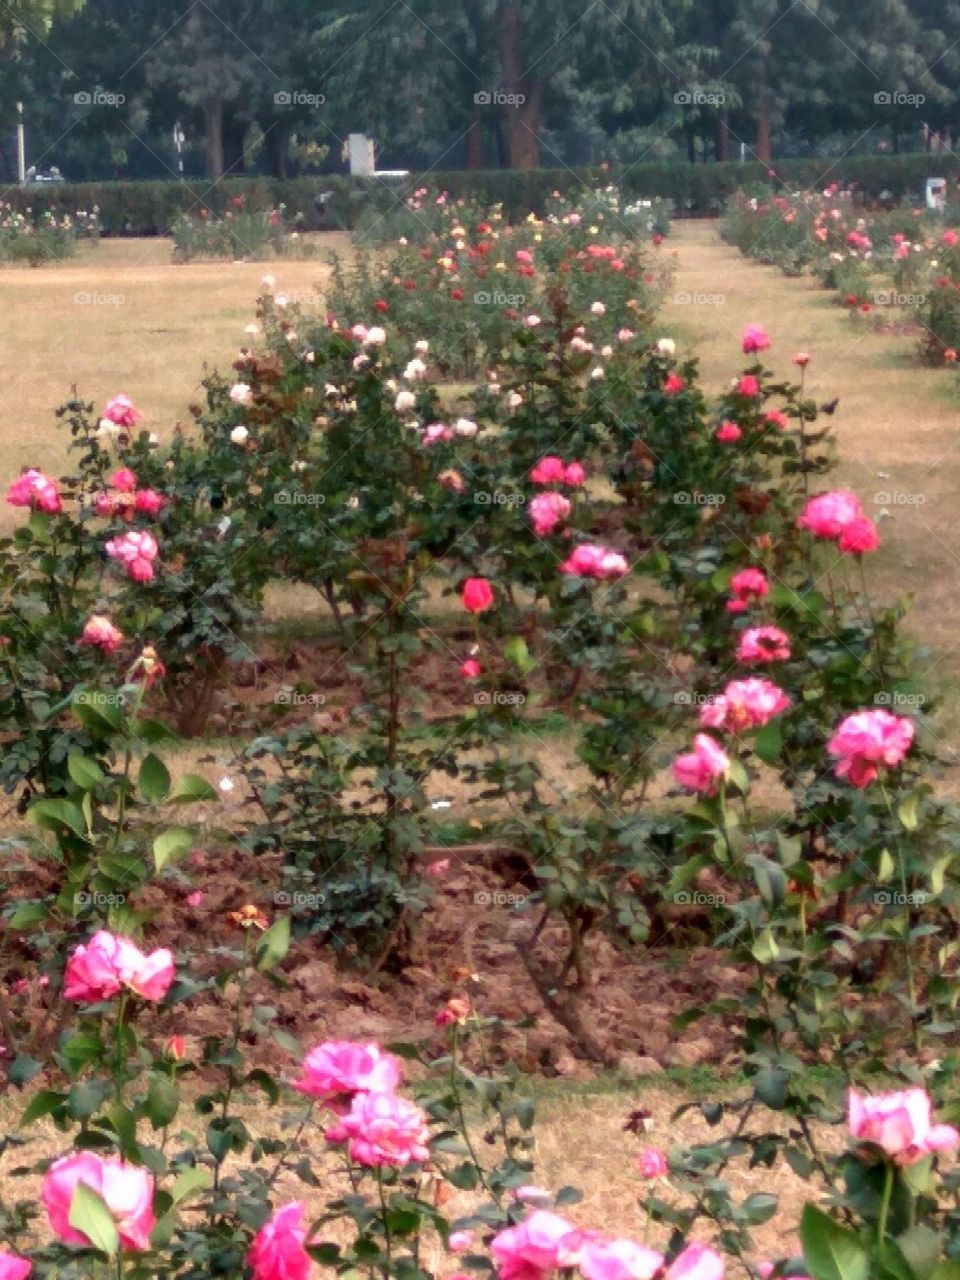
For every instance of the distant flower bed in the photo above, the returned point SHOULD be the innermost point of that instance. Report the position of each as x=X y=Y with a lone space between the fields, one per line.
x=238 y=235
x=46 y=238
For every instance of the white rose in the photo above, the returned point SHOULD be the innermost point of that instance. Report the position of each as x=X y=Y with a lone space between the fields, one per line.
x=239 y=434
x=666 y=346
x=465 y=427
x=376 y=337
x=405 y=401
x=241 y=393
x=598 y=309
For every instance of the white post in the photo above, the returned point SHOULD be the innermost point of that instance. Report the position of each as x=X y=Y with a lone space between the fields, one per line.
x=21 y=146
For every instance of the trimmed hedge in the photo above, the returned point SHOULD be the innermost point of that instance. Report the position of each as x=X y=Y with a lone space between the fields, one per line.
x=150 y=208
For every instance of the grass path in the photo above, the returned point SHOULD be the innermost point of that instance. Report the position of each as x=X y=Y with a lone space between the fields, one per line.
x=897 y=425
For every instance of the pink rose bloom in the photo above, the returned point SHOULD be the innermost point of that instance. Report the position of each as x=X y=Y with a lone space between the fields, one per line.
x=744 y=704
x=124 y=480
x=574 y=474
x=528 y=1250
x=591 y=561
x=866 y=740
x=702 y=768
x=470 y=668
x=382 y=1129
x=697 y=1262
x=34 y=489
x=438 y=869
x=100 y=968
x=748 y=385
x=901 y=1123
x=196 y=898
x=277 y=1252
x=950 y=238
x=122 y=412
x=524 y=256
x=549 y=470
x=653 y=1163
x=619 y=1260
x=100 y=632
x=764 y=644
x=547 y=510
x=338 y=1069
x=625 y=335
x=149 y=502
x=673 y=385
x=126 y=1188
x=477 y=595
x=241 y=393
x=572 y=1246
x=12 y=1267
x=458 y=1242
x=136 y=552
x=755 y=339
x=728 y=433
x=746 y=586
x=828 y=514
x=859 y=537
x=777 y=418
x=437 y=433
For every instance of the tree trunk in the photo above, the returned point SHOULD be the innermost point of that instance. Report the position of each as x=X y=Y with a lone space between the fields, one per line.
x=475 y=153
x=234 y=134
x=213 y=129
x=521 y=112
x=721 y=144
x=275 y=144
x=763 y=116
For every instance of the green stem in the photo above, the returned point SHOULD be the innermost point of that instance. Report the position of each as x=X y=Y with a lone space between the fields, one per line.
x=387 y=1238
x=907 y=949
x=885 y=1204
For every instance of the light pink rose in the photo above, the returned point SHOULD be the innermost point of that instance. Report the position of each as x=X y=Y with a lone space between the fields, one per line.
x=529 y=1250
x=136 y=551
x=653 y=1163
x=127 y=1190
x=277 y=1252
x=697 y=1262
x=458 y=1242
x=547 y=510
x=619 y=1260
x=338 y=1069
x=702 y=768
x=382 y=1129
x=241 y=393
x=866 y=740
x=591 y=561
x=764 y=644
x=901 y=1123
x=100 y=632
x=828 y=514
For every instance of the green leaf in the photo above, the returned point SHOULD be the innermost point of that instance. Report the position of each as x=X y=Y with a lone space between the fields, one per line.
x=163 y=1101
x=274 y=944
x=89 y=1214
x=56 y=814
x=171 y=845
x=191 y=787
x=765 y=950
x=907 y=812
x=27 y=914
x=770 y=1086
x=100 y=712
x=42 y=1104
x=154 y=778
x=830 y=1251
x=768 y=743
x=189 y=1181
x=759 y=1208
x=885 y=866
x=922 y=1248
x=517 y=651
x=86 y=773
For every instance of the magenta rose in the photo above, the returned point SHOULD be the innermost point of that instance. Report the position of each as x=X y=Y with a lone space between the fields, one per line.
x=529 y=1250
x=277 y=1252
x=866 y=740
x=338 y=1069
x=382 y=1129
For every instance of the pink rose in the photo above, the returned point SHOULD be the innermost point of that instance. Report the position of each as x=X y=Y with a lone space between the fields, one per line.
x=859 y=537
x=136 y=552
x=901 y=1123
x=777 y=418
x=277 y=1252
x=437 y=433
x=697 y=1262
x=470 y=668
x=12 y=1267
x=529 y=1250
x=674 y=384
x=99 y=969
x=755 y=339
x=149 y=502
x=574 y=474
x=866 y=740
x=619 y=1260
x=764 y=644
x=748 y=385
x=477 y=595
x=702 y=768
x=950 y=238
x=100 y=632
x=382 y=1129
x=828 y=514
x=338 y=1069
x=127 y=1190
x=744 y=704
x=746 y=586
x=653 y=1163
x=547 y=510
x=728 y=433
x=34 y=489
x=458 y=1242
x=549 y=470
x=591 y=561
x=122 y=411
x=124 y=480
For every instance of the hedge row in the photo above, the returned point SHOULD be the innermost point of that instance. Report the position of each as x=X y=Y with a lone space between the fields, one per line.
x=149 y=208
